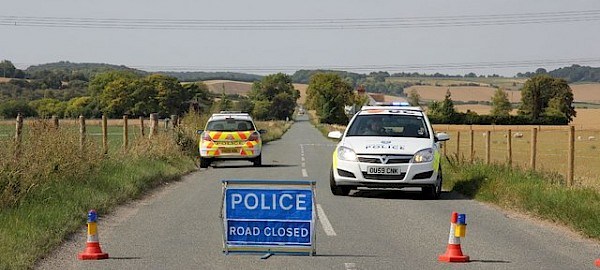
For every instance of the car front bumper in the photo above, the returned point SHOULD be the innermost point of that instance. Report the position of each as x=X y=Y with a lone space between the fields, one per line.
x=353 y=173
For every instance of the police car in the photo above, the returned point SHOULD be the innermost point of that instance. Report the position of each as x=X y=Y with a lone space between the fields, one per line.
x=390 y=146
x=230 y=135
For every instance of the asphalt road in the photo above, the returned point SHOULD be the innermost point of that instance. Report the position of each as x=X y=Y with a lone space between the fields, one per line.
x=178 y=226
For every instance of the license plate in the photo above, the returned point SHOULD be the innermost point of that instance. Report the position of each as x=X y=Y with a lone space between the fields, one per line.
x=229 y=150
x=384 y=170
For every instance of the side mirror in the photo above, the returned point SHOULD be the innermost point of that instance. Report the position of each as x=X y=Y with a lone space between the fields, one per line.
x=334 y=134
x=440 y=137
x=199 y=131
x=262 y=131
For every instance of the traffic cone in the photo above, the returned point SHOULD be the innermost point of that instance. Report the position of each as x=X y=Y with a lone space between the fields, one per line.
x=598 y=262
x=453 y=251
x=92 y=249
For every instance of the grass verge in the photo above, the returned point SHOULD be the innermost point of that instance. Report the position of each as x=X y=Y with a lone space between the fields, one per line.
x=541 y=195
x=46 y=191
x=50 y=214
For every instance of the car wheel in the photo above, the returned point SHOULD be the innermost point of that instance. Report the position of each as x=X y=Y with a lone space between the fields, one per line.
x=204 y=162
x=257 y=161
x=338 y=190
x=435 y=191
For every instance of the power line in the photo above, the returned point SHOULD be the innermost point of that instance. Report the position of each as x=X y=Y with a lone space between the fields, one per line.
x=304 y=24
x=388 y=67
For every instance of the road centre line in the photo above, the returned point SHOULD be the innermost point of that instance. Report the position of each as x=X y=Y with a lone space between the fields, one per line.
x=325 y=221
x=350 y=266
x=304 y=173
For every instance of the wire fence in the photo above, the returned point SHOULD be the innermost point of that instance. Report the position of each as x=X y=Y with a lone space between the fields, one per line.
x=567 y=150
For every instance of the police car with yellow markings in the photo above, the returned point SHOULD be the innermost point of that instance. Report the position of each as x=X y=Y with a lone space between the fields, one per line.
x=230 y=135
x=388 y=146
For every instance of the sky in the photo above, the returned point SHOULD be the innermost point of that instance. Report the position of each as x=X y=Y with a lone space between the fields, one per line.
x=268 y=36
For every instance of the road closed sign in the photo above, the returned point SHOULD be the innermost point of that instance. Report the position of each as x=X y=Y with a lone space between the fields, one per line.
x=269 y=216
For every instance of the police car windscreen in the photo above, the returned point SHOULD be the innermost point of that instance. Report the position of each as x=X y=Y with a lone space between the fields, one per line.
x=390 y=125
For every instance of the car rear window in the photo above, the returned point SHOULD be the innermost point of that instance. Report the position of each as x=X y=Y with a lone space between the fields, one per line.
x=230 y=125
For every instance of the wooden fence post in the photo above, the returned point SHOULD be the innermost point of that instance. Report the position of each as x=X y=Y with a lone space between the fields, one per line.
x=488 y=134
x=125 y=132
x=471 y=145
x=509 y=147
x=457 y=144
x=105 y=134
x=174 y=121
x=55 y=121
x=444 y=146
x=19 y=128
x=533 y=147
x=142 y=126
x=18 y=134
x=153 y=124
x=571 y=156
x=81 y=132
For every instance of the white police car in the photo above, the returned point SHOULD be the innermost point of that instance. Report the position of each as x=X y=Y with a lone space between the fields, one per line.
x=390 y=146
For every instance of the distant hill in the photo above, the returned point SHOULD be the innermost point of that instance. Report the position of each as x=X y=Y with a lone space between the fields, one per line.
x=85 y=68
x=205 y=76
x=90 y=69
x=577 y=73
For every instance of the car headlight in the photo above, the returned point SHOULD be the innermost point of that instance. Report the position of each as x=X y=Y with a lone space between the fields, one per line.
x=425 y=155
x=345 y=153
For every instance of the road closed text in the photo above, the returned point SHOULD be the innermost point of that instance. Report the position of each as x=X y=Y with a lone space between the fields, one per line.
x=270 y=231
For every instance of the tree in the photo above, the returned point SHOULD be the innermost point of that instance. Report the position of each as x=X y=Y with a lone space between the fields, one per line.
x=277 y=92
x=99 y=82
x=444 y=109
x=7 y=69
x=116 y=97
x=78 y=106
x=500 y=104
x=328 y=94
x=170 y=95
x=12 y=108
x=283 y=106
x=48 y=107
x=414 y=98
x=447 y=106
x=224 y=103
x=539 y=90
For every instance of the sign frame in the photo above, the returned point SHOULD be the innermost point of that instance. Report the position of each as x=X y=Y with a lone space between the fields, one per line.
x=273 y=186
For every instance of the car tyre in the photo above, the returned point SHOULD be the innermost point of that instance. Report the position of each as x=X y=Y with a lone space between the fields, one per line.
x=204 y=162
x=337 y=190
x=435 y=191
x=257 y=161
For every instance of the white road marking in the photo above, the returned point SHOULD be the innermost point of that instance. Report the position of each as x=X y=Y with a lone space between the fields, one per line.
x=303 y=159
x=350 y=266
x=303 y=165
x=325 y=221
x=304 y=173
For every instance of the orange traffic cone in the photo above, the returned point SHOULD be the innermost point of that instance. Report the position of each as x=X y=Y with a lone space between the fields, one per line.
x=453 y=251
x=92 y=249
x=598 y=262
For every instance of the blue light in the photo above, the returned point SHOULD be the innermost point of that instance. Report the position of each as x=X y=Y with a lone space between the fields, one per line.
x=400 y=103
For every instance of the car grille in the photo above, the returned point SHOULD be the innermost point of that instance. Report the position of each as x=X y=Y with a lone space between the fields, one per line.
x=383 y=176
x=391 y=159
